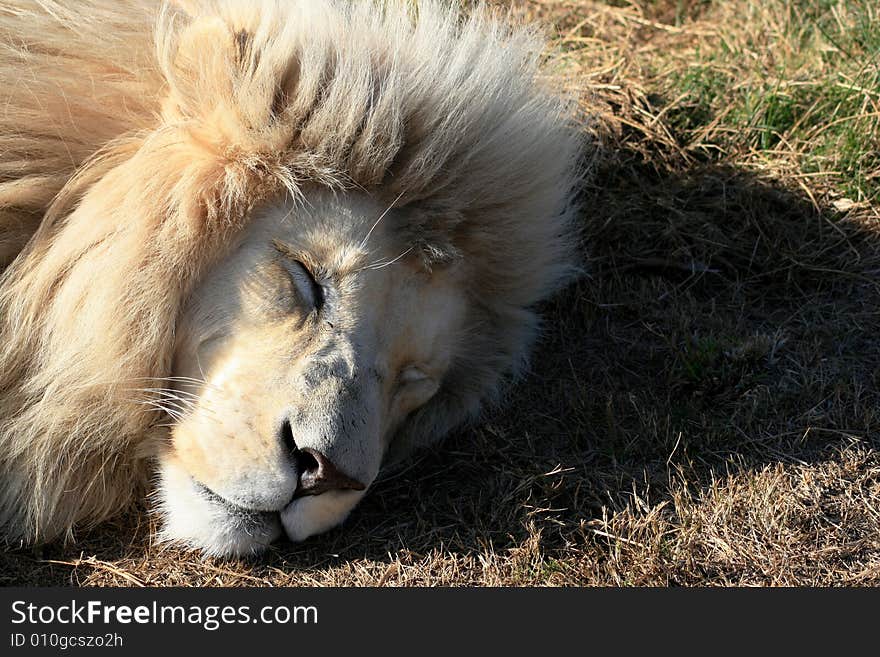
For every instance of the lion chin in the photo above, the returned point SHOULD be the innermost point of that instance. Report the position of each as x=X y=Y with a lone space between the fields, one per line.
x=265 y=250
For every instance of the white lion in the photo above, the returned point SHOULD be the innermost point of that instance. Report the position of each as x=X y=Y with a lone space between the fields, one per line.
x=261 y=248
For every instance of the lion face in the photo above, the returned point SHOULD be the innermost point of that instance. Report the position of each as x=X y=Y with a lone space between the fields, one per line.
x=296 y=359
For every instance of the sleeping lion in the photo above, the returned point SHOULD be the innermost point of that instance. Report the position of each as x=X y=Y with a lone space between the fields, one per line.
x=255 y=251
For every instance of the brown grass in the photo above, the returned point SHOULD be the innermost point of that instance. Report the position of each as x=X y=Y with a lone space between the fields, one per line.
x=703 y=408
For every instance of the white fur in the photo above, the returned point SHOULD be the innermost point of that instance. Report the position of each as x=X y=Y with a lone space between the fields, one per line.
x=195 y=522
x=307 y=516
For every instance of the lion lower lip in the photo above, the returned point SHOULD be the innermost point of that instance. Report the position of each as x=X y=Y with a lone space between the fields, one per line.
x=232 y=507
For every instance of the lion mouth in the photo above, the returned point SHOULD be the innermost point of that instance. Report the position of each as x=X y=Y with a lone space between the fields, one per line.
x=231 y=508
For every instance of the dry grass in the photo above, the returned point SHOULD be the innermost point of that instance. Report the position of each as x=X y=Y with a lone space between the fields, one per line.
x=704 y=408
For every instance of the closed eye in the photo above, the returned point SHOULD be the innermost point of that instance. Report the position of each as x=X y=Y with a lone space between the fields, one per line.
x=303 y=277
x=415 y=387
x=412 y=375
x=309 y=289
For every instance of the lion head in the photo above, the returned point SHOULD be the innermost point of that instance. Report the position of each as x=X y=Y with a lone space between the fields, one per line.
x=286 y=245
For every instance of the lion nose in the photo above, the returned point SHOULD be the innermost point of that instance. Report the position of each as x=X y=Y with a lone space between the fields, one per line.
x=317 y=474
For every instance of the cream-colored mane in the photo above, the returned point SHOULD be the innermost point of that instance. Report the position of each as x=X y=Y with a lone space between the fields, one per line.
x=135 y=142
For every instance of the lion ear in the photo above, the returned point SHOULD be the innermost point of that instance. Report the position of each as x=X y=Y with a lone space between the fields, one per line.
x=197 y=63
x=225 y=74
x=189 y=7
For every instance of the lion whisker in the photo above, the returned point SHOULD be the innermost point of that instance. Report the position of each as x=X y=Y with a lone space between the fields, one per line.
x=379 y=264
x=191 y=381
x=174 y=413
x=185 y=379
x=381 y=217
x=169 y=393
x=183 y=405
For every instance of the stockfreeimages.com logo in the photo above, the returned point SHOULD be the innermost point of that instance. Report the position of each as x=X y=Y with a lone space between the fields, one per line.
x=209 y=617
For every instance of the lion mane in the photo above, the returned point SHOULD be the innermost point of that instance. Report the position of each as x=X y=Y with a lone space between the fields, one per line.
x=136 y=139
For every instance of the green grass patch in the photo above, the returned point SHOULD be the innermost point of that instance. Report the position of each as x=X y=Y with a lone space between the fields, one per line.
x=805 y=88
